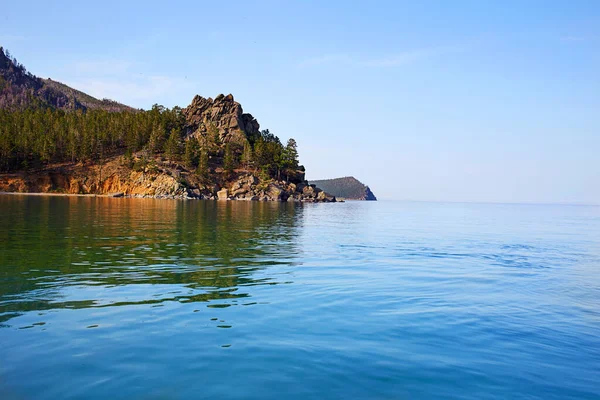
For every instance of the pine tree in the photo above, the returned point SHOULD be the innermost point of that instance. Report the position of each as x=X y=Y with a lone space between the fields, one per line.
x=259 y=153
x=202 y=169
x=247 y=156
x=156 y=138
x=229 y=160
x=213 y=139
x=291 y=154
x=172 y=146
x=191 y=155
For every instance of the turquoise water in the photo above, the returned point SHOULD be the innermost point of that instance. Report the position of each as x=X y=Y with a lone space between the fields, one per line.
x=163 y=299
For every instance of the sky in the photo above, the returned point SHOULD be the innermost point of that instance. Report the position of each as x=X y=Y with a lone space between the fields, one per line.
x=479 y=101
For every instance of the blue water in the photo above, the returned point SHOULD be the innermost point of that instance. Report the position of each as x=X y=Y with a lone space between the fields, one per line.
x=163 y=299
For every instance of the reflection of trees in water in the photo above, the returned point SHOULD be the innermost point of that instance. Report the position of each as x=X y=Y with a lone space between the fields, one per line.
x=54 y=245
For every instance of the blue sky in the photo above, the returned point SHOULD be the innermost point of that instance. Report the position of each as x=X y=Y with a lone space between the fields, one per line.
x=442 y=101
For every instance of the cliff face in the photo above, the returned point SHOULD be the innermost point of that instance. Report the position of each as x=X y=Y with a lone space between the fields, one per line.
x=224 y=115
x=158 y=179
x=347 y=188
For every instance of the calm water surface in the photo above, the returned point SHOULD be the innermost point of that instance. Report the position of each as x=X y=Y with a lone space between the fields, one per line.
x=160 y=299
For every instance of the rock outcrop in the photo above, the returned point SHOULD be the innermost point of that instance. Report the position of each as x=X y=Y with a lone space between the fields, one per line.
x=223 y=114
x=248 y=187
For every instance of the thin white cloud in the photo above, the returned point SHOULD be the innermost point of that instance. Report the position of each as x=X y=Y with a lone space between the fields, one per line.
x=121 y=81
x=408 y=57
x=325 y=59
x=573 y=38
x=101 y=67
x=11 y=38
x=135 y=91
x=391 y=60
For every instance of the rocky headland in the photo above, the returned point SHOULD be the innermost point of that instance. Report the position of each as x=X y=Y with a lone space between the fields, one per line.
x=55 y=139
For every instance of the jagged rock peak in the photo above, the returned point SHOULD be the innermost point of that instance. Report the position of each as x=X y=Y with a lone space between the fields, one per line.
x=224 y=114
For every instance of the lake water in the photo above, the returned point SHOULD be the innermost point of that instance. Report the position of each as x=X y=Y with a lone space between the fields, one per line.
x=164 y=299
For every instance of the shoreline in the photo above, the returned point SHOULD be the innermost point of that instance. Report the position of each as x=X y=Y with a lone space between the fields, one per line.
x=124 y=196
x=115 y=195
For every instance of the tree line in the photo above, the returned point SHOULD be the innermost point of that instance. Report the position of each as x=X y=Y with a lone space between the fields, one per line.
x=35 y=137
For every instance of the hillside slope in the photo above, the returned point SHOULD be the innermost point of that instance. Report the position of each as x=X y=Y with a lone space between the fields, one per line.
x=20 y=89
x=347 y=188
x=84 y=100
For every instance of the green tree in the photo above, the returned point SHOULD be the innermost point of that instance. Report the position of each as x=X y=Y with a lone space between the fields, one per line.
x=229 y=160
x=291 y=154
x=289 y=159
x=192 y=150
x=173 y=149
x=260 y=156
x=214 y=139
x=156 y=138
x=202 y=169
x=247 y=156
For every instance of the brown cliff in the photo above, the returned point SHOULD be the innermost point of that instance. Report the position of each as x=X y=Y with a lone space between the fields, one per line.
x=158 y=178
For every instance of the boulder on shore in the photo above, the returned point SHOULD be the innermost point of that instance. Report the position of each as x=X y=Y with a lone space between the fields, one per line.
x=222 y=194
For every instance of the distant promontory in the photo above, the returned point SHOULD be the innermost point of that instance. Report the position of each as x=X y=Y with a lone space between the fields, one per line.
x=348 y=188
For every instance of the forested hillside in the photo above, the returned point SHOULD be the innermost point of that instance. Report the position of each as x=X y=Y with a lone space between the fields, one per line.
x=37 y=137
x=46 y=126
x=74 y=127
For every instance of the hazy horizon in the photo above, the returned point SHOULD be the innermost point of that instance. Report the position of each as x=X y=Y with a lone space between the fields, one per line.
x=462 y=102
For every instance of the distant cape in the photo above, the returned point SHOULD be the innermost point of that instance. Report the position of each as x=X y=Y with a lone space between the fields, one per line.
x=347 y=187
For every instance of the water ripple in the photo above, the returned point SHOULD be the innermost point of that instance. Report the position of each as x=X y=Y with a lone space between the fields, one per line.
x=134 y=298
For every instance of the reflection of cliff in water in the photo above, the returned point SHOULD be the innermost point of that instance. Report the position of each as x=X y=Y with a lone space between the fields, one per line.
x=69 y=252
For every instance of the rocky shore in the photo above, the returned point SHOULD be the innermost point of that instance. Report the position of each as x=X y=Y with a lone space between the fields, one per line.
x=160 y=180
